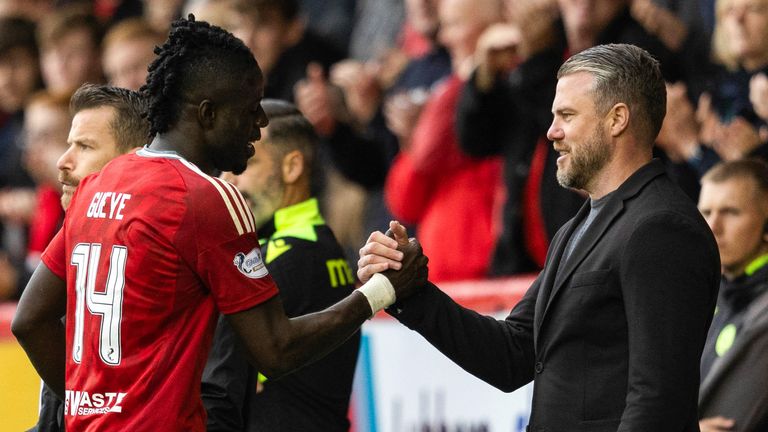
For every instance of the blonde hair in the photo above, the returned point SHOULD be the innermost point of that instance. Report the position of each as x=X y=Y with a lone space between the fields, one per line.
x=131 y=29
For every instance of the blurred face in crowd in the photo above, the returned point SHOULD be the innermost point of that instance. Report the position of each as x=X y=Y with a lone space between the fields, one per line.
x=125 y=62
x=577 y=132
x=267 y=34
x=70 y=61
x=736 y=212
x=262 y=182
x=18 y=78
x=461 y=24
x=45 y=128
x=588 y=16
x=91 y=145
x=422 y=16
x=745 y=23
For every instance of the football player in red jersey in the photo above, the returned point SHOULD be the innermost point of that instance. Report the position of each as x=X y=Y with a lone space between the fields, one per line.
x=154 y=246
x=107 y=122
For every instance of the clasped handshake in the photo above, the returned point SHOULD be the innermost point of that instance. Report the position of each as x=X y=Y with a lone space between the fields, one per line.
x=397 y=257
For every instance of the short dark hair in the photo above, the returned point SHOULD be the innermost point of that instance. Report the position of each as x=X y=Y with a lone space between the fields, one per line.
x=289 y=130
x=628 y=74
x=130 y=127
x=751 y=168
x=195 y=57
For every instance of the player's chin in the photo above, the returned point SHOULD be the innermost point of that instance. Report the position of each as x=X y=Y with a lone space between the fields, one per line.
x=238 y=168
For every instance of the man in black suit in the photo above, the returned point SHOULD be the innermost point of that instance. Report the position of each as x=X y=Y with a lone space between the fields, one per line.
x=612 y=330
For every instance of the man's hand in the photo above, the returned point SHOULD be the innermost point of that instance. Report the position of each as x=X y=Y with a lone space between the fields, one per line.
x=716 y=424
x=381 y=252
x=679 y=135
x=414 y=272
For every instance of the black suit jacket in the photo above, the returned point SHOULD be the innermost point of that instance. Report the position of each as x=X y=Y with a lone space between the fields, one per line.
x=612 y=340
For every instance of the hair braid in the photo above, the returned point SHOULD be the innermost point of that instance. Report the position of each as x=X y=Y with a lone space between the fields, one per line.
x=194 y=53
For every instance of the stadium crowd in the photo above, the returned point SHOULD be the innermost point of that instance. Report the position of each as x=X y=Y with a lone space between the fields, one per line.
x=434 y=113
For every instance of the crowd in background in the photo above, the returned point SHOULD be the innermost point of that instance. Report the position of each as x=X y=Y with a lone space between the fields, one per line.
x=432 y=112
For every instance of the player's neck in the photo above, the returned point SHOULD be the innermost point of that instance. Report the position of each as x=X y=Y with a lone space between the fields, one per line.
x=182 y=145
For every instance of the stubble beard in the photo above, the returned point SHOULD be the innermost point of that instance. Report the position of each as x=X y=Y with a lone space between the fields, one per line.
x=585 y=163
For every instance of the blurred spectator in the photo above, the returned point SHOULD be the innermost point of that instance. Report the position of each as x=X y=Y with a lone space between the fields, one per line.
x=725 y=124
x=450 y=197
x=70 y=41
x=332 y=20
x=127 y=50
x=377 y=25
x=278 y=38
x=160 y=13
x=508 y=113
x=346 y=110
x=19 y=78
x=46 y=124
x=734 y=367
x=32 y=10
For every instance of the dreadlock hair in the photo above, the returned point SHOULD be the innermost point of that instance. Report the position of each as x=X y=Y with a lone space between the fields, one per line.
x=196 y=61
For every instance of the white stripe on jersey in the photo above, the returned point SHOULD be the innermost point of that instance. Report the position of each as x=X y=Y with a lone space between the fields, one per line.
x=241 y=205
x=239 y=201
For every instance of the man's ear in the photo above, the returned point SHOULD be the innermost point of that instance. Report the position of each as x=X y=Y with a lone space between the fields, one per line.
x=618 y=119
x=206 y=114
x=293 y=166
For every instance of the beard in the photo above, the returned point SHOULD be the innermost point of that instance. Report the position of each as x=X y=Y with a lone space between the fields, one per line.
x=266 y=202
x=68 y=190
x=586 y=161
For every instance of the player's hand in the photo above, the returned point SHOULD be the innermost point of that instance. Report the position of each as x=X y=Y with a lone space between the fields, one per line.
x=413 y=274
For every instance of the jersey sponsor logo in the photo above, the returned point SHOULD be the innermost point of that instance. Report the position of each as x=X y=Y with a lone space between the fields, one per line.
x=339 y=272
x=250 y=264
x=83 y=403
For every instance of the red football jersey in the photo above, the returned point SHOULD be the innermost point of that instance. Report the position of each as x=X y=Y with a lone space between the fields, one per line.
x=151 y=249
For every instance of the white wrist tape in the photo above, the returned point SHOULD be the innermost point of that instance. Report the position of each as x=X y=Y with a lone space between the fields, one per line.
x=379 y=292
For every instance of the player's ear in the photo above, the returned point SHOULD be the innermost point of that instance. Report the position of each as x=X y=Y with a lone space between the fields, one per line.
x=293 y=166
x=206 y=114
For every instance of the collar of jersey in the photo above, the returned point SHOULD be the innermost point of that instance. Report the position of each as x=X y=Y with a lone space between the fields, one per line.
x=148 y=152
x=756 y=265
x=298 y=221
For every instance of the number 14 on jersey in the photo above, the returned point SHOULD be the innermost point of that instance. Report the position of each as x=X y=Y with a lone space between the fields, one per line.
x=108 y=304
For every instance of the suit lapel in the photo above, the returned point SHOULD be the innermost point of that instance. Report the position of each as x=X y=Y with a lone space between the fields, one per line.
x=553 y=279
x=594 y=233
x=550 y=271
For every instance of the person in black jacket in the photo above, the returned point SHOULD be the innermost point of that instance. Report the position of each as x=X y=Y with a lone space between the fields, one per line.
x=308 y=264
x=508 y=115
x=612 y=330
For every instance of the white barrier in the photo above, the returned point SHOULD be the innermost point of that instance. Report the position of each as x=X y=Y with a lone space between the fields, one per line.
x=403 y=384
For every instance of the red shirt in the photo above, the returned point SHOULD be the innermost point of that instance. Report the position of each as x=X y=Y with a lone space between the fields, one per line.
x=151 y=249
x=451 y=197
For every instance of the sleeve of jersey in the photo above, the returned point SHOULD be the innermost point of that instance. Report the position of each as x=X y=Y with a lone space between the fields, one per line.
x=54 y=257
x=229 y=260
